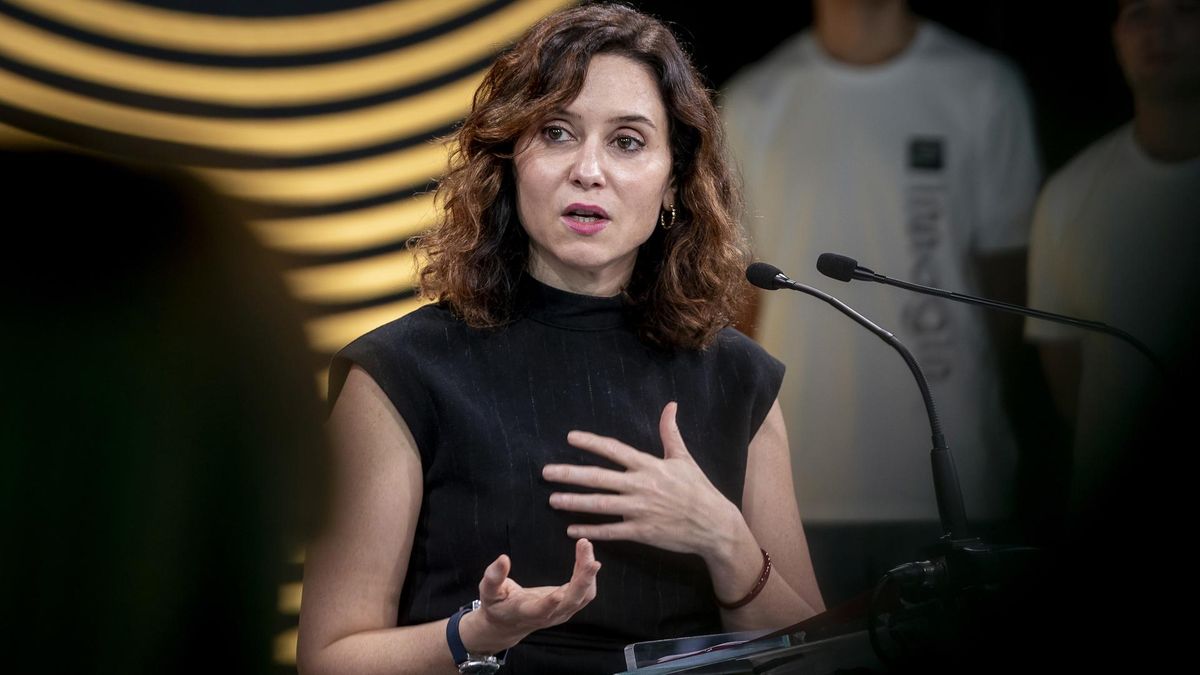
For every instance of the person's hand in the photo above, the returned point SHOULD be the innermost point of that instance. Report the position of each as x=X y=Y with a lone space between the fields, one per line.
x=508 y=612
x=668 y=503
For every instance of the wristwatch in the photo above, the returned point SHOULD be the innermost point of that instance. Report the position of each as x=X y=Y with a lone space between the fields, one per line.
x=467 y=662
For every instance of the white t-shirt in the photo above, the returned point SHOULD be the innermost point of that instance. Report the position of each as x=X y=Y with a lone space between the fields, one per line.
x=911 y=167
x=1116 y=239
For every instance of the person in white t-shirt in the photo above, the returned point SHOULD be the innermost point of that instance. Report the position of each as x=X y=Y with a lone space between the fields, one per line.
x=1116 y=239
x=888 y=138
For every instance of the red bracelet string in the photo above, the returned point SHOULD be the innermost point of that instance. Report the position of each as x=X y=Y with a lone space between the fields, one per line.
x=758 y=586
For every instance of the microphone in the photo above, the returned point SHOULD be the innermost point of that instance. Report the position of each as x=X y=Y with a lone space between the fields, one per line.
x=963 y=575
x=840 y=267
x=957 y=564
x=945 y=477
x=844 y=268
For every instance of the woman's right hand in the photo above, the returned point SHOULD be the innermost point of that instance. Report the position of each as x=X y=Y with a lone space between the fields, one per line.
x=508 y=612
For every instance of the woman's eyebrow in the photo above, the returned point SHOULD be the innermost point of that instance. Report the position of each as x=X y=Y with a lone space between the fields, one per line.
x=626 y=119
x=619 y=119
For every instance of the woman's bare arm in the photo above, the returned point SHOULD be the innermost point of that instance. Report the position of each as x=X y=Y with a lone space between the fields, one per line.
x=354 y=571
x=770 y=511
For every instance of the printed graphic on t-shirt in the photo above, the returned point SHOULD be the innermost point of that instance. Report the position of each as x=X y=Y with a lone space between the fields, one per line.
x=925 y=153
x=926 y=319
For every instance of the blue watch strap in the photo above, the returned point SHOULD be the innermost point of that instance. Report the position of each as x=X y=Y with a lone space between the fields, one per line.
x=466 y=662
x=458 y=651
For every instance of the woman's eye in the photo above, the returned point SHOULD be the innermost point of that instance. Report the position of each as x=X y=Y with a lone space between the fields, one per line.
x=629 y=143
x=553 y=133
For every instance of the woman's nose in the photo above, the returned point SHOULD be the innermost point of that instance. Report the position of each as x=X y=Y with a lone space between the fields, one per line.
x=587 y=166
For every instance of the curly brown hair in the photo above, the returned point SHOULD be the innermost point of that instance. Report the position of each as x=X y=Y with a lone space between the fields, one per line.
x=687 y=280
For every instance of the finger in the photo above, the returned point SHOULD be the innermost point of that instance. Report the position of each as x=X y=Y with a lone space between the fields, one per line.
x=585 y=553
x=581 y=589
x=624 y=530
x=587 y=476
x=586 y=564
x=492 y=585
x=560 y=604
x=608 y=448
x=591 y=503
x=668 y=430
x=582 y=586
x=611 y=449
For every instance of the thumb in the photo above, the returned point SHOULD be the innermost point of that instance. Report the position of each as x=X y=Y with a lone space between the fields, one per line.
x=668 y=430
x=490 y=588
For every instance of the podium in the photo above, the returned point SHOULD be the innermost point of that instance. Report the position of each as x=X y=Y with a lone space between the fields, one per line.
x=979 y=627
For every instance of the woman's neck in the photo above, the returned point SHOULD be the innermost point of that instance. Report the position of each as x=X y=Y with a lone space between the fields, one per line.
x=604 y=283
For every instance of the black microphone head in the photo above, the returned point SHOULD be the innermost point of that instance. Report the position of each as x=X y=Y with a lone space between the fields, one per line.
x=763 y=275
x=836 y=266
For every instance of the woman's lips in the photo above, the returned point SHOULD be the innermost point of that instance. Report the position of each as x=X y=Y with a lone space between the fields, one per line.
x=586 y=227
x=585 y=219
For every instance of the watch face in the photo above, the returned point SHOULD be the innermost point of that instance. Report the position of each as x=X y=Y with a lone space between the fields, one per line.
x=478 y=667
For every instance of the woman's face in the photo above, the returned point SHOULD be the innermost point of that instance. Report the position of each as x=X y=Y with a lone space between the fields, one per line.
x=592 y=178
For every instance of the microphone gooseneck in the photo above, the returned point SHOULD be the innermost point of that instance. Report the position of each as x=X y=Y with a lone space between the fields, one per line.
x=961 y=575
x=844 y=268
x=945 y=476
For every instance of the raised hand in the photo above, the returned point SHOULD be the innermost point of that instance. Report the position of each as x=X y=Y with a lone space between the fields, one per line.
x=668 y=503
x=508 y=611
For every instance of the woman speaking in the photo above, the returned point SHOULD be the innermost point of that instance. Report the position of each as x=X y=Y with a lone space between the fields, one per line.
x=574 y=406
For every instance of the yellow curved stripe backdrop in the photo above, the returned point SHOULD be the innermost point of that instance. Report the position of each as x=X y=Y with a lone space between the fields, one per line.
x=282 y=137
x=356 y=280
x=330 y=333
x=271 y=86
x=338 y=192
x=250 y=36
x=333 y=177
x=355 y=230
x=14 y=137
x=335 y=183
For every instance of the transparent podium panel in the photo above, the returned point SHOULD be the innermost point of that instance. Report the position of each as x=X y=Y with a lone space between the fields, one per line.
x=664 y=655
x=734 y=654
x=835 y=640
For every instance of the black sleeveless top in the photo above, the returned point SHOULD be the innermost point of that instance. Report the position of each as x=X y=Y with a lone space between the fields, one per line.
x=489 y=408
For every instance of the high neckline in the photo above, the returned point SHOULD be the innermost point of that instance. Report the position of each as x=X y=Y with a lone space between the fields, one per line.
x=573 y=311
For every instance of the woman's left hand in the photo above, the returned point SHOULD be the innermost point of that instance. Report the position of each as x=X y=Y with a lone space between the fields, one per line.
x=668 y=503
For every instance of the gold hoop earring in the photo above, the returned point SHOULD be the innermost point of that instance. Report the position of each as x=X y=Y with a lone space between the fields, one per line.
x=662 y=218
